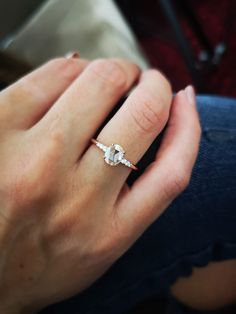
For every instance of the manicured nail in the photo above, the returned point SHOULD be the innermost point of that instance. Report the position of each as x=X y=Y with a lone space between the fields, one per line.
x=72 y=55
x=190 y=93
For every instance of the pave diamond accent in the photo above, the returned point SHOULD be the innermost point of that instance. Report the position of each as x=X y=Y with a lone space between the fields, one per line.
x=102 y=147
x=114 y=154
x=126 y=162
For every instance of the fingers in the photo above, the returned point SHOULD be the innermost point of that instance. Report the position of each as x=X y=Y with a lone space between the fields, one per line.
x=170 y=173
x=85 y=105
x=26 y=101
x=134 y=126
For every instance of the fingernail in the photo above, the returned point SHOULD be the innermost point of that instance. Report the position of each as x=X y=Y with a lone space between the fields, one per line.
x=190 y=93
x=72 y=55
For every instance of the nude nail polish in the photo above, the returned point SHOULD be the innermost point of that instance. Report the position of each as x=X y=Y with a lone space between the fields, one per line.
x=72 y=55
x=190 y=93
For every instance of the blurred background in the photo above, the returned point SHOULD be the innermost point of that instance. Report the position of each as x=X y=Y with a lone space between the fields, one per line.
x=209 y=28
x=190 y=41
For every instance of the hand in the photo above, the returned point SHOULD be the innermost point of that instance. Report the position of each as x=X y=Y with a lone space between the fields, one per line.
x=65 y=215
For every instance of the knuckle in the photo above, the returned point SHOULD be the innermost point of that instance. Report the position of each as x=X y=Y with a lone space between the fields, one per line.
x=179 y=180
x=57 y=139
x=61 y=63
x=59 y=225
x=23 y=192
x=148 y=112
x=109 y=72
x=28 y=90
x=163 y=79
x=66 y=68
x=164 y=83
x=104 y=249
x=25 y=89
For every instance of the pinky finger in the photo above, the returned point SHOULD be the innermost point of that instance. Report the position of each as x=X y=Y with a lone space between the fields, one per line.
x=169 y=174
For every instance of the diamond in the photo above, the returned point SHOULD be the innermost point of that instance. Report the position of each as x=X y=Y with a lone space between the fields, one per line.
x=114 y=154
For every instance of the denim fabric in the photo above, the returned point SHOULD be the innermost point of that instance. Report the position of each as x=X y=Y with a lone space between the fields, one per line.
x=199 y=227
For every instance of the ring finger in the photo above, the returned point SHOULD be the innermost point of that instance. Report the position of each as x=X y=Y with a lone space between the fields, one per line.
x=134 y=127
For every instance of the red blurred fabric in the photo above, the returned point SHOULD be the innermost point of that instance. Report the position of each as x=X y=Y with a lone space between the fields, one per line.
x=218 y=19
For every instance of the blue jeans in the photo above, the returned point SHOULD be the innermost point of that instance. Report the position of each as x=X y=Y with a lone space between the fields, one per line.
x=199 y=227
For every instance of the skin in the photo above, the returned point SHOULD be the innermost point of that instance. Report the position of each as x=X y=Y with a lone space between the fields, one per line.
x=208 y=288
x=65 y=215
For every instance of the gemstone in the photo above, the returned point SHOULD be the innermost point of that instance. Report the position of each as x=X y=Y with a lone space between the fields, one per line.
x=114 y=154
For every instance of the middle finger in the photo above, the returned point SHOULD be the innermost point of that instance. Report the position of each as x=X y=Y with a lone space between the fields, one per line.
x=80 y=111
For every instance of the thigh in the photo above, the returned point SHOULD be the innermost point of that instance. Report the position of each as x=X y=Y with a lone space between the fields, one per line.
x=197 y=228
x=208 y=288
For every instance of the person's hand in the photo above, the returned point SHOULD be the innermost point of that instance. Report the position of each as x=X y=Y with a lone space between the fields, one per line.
x=65 y=215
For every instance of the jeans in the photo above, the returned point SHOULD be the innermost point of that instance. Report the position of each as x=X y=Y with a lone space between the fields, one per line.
x=199 y=226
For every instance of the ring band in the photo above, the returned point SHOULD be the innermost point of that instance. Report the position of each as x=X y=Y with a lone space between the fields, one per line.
x=114 y=155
